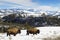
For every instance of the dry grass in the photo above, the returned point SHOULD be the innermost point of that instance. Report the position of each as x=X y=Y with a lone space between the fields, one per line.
x=49 y=38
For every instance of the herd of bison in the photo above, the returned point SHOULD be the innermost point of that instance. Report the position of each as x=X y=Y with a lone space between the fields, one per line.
x=15 y=30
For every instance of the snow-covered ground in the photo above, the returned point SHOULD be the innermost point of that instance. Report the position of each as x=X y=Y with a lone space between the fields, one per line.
x=44 y=33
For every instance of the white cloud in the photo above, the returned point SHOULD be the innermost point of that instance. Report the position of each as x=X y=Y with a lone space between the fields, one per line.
x=29 y=3
x=23 y=2
x=49 y=8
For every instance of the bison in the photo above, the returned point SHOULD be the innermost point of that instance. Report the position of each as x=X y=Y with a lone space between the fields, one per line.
x=13 y=31
x=33 y=31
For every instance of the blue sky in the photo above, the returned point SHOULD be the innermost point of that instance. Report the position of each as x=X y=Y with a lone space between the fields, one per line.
x=38 y=4
x=48 y=2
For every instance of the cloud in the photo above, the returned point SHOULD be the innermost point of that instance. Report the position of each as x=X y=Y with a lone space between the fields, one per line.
x=19 y=3
x=23 y=2
x=47 y=8
x=28 y=4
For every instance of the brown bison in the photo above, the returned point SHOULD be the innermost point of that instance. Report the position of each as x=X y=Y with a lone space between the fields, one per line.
x=33 y=31
x=13 y=31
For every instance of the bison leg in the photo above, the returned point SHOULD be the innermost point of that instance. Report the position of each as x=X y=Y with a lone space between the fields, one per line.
x=8 y=34
x=27 y=33
x=36 y=33
x=14 y=34
x=33 y=33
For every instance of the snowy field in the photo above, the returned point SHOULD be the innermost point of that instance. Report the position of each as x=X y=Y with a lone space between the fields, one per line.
x=45 y=32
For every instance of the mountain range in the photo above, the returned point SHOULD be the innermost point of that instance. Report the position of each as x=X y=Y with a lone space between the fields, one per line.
x=31 y=11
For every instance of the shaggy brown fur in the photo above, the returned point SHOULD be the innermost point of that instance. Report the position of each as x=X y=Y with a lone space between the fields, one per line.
x=33 y=31
x=13 y=31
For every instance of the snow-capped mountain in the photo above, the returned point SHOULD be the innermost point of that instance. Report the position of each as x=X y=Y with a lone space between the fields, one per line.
x=28 y=11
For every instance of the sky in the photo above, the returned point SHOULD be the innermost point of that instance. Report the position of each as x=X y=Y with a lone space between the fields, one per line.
x=53 y=5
